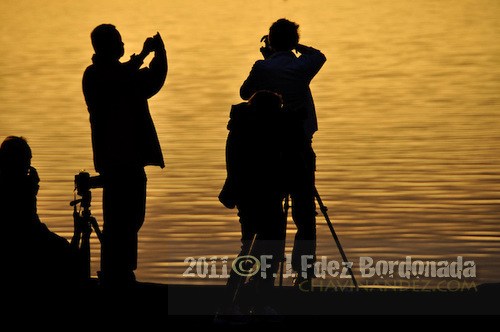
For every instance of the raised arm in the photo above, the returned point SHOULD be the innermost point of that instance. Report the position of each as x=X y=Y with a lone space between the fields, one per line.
x=311 y=58
x=152 y=78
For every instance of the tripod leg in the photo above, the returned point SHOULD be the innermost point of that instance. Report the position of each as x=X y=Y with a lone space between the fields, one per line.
x=95 y=226
x=323 y=209
x=85 y=247
x=77 y=234
x=285 y=220
x=242 y=278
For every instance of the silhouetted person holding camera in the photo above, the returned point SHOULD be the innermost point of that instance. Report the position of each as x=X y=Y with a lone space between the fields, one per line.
x=35 y=259
x=284 y=73
x=124 y=141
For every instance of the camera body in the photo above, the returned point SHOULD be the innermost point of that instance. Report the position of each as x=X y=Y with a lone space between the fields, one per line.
x=84 y=182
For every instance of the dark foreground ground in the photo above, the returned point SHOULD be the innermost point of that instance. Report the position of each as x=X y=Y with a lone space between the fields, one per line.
x=162 y=306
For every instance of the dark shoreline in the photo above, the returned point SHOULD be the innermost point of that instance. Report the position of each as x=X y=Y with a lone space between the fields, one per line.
x=196 y=305
x=480 y=300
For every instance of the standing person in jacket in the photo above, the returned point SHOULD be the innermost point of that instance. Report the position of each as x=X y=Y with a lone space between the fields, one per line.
x=124 y=141
x=284 y=73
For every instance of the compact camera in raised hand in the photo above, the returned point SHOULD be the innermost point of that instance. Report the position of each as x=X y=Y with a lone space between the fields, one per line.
x=154 y=43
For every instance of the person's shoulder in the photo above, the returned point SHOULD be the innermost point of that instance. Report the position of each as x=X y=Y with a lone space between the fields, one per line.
x=89 y=71
x=92 y=66
x=260 y=64
x=238 y=109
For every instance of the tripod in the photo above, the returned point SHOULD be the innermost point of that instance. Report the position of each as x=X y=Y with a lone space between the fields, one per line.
x=324 y=210
x=84 y=222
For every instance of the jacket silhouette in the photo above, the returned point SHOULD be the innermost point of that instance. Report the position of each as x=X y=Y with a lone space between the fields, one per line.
x=123 y=133
x=284 y=73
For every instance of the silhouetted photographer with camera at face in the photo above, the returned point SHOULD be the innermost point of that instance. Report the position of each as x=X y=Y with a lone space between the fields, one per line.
x=289 y=75
x=124 y=141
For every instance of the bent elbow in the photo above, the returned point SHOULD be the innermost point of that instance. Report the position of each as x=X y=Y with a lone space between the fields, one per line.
x=245 y=93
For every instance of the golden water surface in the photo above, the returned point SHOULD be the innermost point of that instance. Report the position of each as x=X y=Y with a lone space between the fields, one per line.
x=408 y=106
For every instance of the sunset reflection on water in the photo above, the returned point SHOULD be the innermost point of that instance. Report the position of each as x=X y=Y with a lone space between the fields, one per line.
x=408 y=106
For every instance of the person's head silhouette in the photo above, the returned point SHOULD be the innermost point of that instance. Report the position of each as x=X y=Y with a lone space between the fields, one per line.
x=283 y=35
x=15 y=156
x=264 y=101
x=107 y=42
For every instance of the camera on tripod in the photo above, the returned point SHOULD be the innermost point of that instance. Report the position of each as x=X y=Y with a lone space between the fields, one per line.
x=84 y=182
x=84 y=222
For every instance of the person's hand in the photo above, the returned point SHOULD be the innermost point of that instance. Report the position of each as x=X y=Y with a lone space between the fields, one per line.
x=159 y=45
x=266 y=50
x=149 y=46
x=33 y=174
x=302 y=49
x=34 y=180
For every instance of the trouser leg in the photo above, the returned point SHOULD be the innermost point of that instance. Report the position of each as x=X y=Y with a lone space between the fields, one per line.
x=304 y=215
x=124 y=202
x=265 y=220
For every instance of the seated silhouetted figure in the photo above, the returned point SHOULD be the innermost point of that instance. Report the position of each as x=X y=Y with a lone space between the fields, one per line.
x=35 y=257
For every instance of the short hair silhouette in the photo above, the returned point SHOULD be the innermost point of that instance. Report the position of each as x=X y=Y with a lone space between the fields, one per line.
x=107 y=41
x=265 y=101
x=15 y=154
x=284 y=35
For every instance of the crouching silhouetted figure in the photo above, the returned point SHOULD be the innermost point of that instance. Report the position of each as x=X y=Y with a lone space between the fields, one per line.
x=254 y=185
